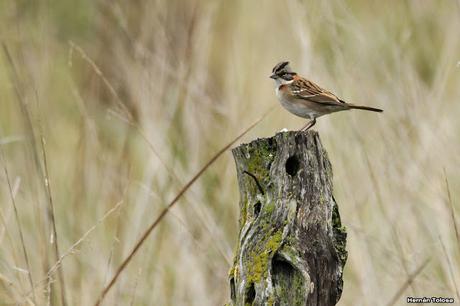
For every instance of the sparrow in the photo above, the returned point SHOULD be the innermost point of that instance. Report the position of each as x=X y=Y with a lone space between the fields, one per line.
x=305 y=99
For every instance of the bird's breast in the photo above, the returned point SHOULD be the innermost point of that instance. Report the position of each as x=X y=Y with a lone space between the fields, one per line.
x=294 y=105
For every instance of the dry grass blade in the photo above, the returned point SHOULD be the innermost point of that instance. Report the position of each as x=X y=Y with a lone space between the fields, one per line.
x=16 y=82
x=4 y=231
x=408 y=281
x=19 y=91
x=104 y=79
x=22 y=104
x=391 y=226
x=51 y=214
x=83 y=238
x=451 y=270
x=74 y=246
x=18 y=222
x=163 y=213
x=452 y=211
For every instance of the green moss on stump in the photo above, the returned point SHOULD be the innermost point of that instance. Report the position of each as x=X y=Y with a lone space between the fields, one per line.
x=261 y=159
x=258 y=261
x=340 y=235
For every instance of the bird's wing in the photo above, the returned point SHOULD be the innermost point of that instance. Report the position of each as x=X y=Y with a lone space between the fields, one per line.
x=309 y=91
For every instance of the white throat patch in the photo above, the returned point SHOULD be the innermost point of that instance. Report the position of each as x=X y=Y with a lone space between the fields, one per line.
x=280 y=81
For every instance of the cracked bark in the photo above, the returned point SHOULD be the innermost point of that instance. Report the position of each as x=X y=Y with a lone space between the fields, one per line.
x=291 y=245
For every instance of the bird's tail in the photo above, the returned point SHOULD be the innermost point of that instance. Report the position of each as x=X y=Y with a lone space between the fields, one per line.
x=372 y=109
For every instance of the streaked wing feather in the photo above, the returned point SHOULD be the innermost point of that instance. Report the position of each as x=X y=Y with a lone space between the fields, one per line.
x=307 y=90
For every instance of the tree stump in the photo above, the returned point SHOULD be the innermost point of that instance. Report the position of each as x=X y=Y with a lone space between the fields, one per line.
x=291 y=245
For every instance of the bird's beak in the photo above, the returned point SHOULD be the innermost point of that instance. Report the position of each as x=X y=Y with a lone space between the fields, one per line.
x=273 y=76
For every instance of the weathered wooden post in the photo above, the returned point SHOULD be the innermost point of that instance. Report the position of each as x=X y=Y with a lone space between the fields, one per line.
x=291 y=245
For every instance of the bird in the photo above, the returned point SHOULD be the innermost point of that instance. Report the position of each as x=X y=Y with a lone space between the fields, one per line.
x=306 y=99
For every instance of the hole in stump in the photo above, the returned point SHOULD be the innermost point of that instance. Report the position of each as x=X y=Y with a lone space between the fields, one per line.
x=250 y=295
x=282 y=267
x=257 y=207
x=285 y=275
x=232 y=290
x=292 y=165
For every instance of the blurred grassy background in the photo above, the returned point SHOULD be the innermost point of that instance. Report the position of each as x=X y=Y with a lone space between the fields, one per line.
x=133 y=97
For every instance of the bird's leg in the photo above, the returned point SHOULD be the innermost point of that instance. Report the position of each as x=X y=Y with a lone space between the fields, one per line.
x=309 y=125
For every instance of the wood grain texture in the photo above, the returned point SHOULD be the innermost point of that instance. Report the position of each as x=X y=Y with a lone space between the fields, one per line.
x=291 y=244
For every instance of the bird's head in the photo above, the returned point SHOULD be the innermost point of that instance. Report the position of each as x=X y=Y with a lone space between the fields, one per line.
x=282 y=73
